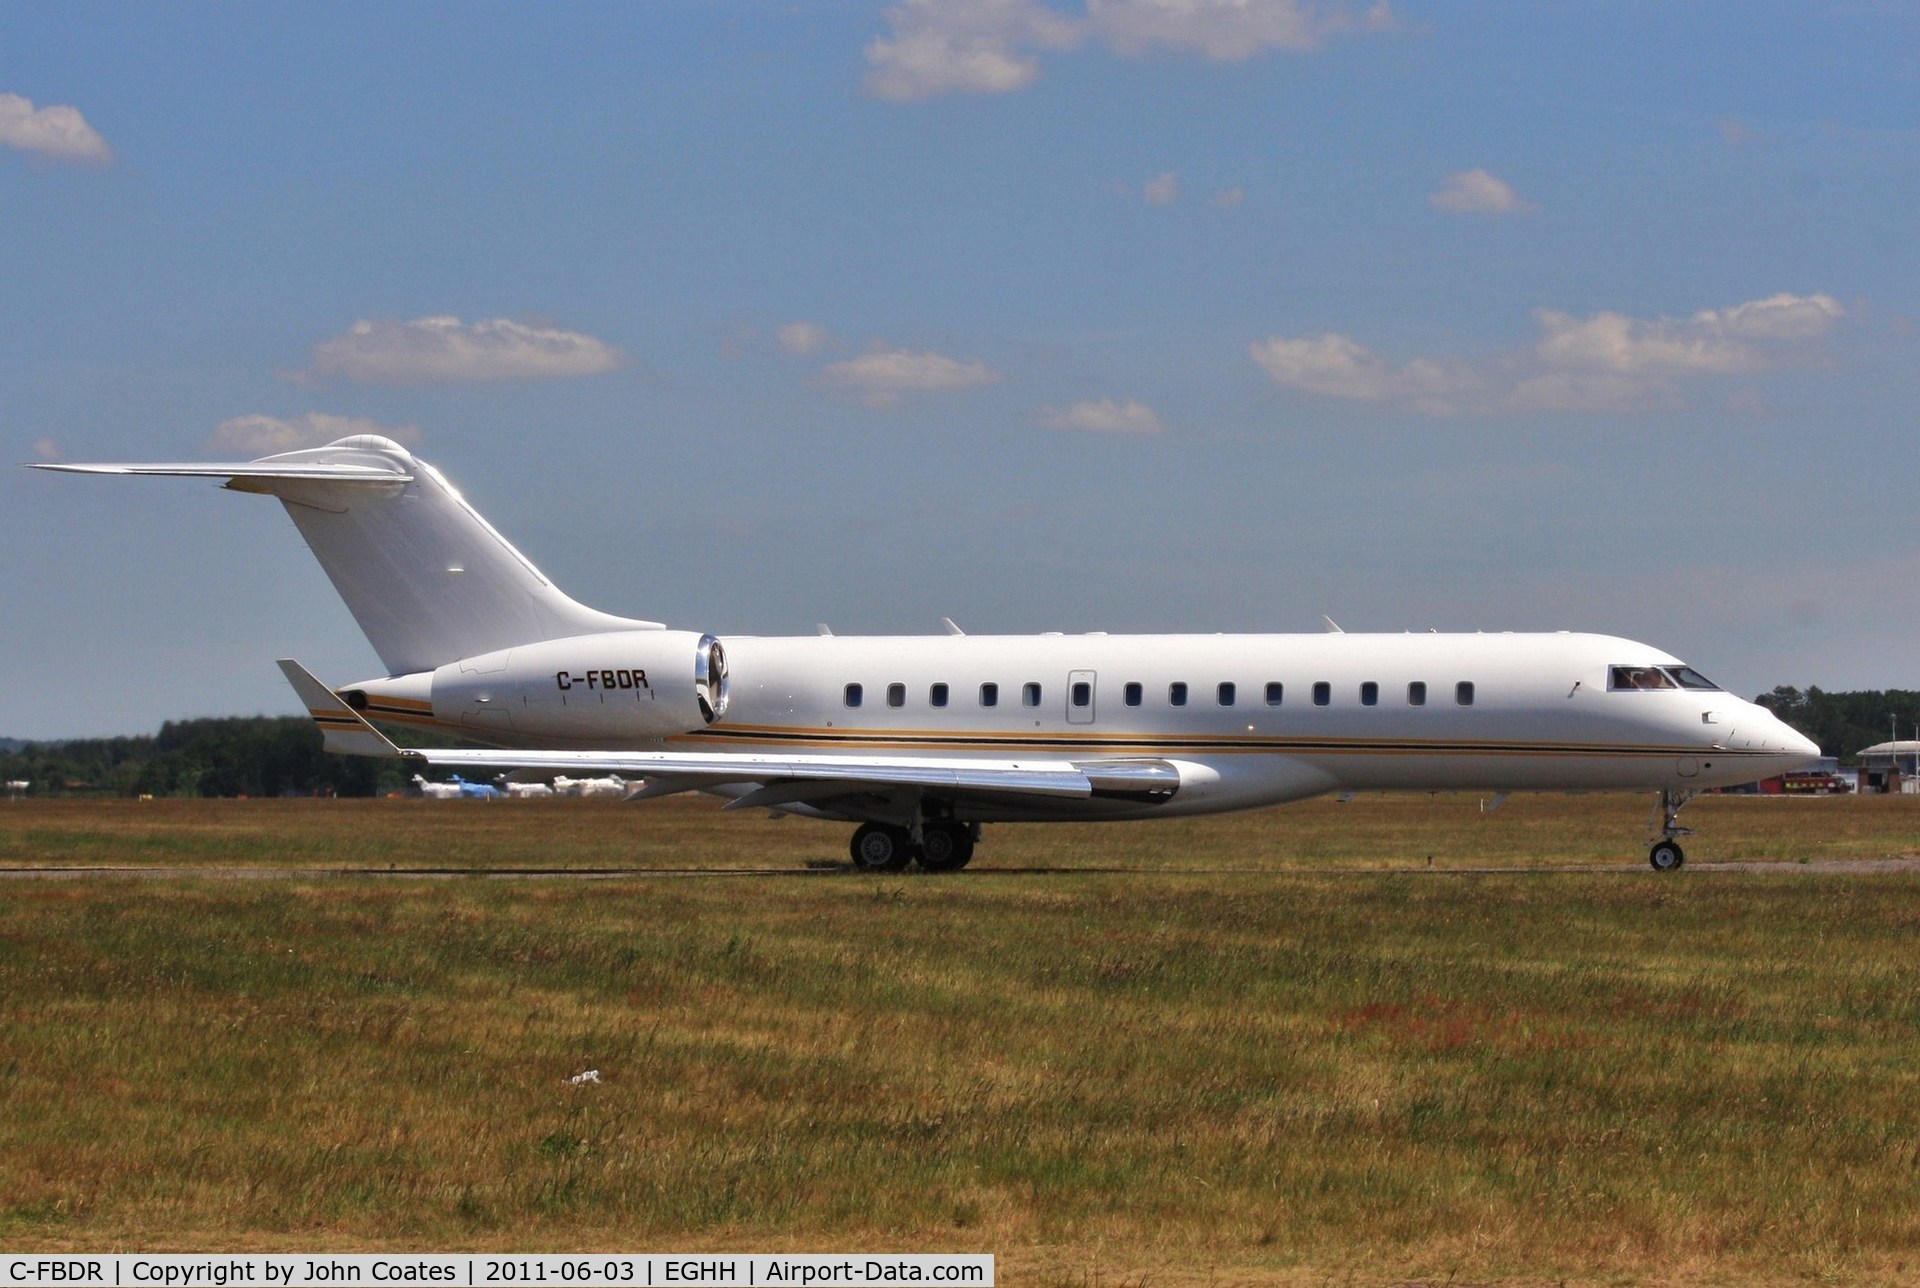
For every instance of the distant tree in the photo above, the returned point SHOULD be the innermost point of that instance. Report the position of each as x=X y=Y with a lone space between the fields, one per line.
x=1843 y=723
x=257 y=756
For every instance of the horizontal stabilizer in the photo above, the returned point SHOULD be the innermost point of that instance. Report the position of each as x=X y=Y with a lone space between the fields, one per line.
x=306 y=473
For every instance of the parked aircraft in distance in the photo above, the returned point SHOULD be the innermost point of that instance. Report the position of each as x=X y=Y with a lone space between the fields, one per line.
x=458 y=789
x=527 y=791
x=921 y=740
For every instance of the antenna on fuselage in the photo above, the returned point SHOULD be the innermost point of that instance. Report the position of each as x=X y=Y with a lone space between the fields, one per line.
x=1333 y=627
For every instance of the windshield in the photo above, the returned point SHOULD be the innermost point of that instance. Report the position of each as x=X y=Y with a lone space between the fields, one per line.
x=1658 y=677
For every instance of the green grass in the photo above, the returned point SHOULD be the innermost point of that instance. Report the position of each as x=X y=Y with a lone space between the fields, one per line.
x=1284 y=1074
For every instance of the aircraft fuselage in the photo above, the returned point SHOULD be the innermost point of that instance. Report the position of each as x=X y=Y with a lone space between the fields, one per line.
x=1248 y=720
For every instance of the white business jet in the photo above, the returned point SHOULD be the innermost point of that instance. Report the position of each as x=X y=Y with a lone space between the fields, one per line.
x=920 y=740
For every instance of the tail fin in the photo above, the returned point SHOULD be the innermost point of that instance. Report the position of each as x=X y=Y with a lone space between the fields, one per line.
x=426 y=577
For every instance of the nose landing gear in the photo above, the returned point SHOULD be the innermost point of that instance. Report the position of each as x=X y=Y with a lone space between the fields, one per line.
x=1666 y=854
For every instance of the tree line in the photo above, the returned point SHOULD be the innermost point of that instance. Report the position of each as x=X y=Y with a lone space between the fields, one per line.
x=281 y=755
x=1843 y=723
x=256 y=756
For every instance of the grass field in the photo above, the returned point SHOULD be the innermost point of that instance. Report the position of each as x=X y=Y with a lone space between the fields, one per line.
x=1278 y=1049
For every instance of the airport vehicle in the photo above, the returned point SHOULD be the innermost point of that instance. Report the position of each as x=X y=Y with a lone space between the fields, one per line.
x=921 y=740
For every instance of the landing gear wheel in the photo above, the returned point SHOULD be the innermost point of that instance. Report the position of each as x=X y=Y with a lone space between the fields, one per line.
x=1666 y=856
x=879 y=847
x=945 y=846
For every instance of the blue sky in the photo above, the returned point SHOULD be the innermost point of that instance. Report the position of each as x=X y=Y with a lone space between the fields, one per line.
x=1110 y=315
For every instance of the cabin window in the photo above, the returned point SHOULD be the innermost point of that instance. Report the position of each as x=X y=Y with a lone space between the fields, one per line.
x=1177 y=694
x=1226 y=693
x=989 y=694
x=1369 y=694
x=853 y=695
x=1417 y=694
x=1134 y=693
x=1030 y=694
x=937 y=695
x=1690 y=678
x=1322 y=693
x=896 y=695
x=1082 y=694
x=1274 y=691
x=1638 y=677
x=1463 y=693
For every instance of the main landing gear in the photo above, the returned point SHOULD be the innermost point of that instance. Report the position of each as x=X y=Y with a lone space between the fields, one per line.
x=944 y=845
x=1666 y=854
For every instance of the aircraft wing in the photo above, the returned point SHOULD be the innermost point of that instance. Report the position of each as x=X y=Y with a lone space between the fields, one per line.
x=775 y=780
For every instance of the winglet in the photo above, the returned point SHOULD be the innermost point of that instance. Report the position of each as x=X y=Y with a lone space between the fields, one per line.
x=343 y=730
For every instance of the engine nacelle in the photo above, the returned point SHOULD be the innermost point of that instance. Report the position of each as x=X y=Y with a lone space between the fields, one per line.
x=619 y=686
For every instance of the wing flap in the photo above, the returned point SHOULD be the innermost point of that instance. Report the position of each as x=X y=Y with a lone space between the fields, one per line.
x=851 y=773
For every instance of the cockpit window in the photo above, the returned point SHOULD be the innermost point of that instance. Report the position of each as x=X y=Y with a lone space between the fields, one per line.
x=1690 y=678
x=1639 y=677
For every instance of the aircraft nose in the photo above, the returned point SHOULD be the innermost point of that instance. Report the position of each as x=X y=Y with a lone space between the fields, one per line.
x=1798 y=744
x=1790 y=741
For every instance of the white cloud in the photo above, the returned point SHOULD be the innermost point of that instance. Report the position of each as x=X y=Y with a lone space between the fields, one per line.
x=262 y=435
x=881 y=377
x=1746 y=337
x=445 y=349
x=939 y=47
x=1227 y=198
x=1162 y=190
x=1475 y=192
x=1103 y=417
x=56 y=131
x=803 y=338
x=1778 y=317
x=1226 y=31
x=1337 y=366
x=1606 y=362
x=963 y=47
x=1614 y=342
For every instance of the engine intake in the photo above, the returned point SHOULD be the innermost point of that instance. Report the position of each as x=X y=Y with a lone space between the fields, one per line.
x=710 y=678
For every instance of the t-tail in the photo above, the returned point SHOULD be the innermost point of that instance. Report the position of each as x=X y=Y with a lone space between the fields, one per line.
x=428 y=579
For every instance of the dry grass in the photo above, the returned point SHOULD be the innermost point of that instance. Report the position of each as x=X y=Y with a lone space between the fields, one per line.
x=1376 y=831
x=1282 y=1074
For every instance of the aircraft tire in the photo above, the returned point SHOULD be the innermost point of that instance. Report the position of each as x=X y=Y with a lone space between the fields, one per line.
x=945 y=846
x=1666 y=856
x=880 y=847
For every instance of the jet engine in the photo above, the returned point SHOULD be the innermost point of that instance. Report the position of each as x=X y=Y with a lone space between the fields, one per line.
x=620 y=686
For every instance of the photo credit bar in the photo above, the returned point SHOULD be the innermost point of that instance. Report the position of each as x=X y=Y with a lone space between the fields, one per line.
x=474 y=1270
